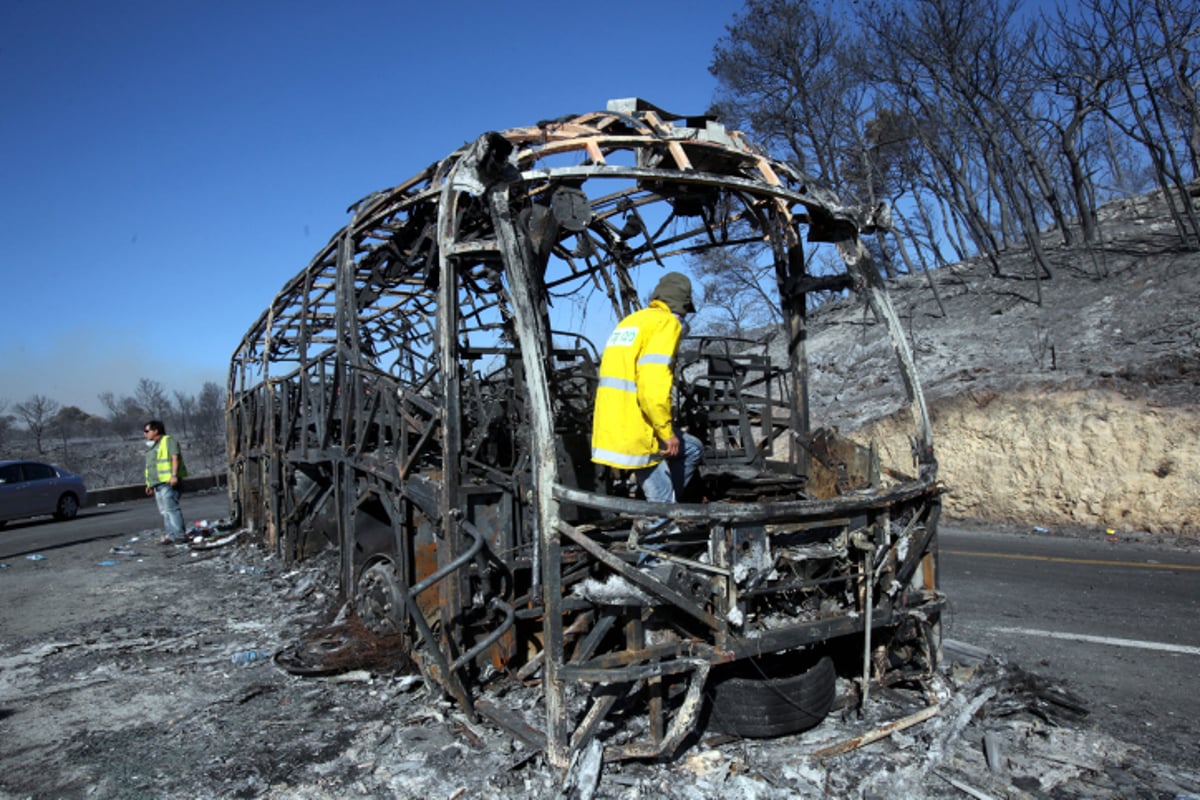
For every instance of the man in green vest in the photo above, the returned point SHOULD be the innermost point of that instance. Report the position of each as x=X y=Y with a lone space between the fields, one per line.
x=164 y=471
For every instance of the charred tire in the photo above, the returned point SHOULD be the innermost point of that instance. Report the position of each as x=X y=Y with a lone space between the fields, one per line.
x=379 y=600
x=68 y=507
x=759 y=702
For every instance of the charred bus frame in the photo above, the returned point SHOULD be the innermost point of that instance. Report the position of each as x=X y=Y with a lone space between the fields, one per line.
x=407 y=399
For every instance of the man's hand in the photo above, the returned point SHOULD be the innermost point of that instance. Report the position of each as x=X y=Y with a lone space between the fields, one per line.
x=671 y=447
x=149 y=490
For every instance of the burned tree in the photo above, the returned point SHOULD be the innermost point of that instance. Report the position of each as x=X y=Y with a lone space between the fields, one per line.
x=407 y=399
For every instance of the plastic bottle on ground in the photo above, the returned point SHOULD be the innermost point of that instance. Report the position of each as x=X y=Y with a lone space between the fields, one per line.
x=243 y=657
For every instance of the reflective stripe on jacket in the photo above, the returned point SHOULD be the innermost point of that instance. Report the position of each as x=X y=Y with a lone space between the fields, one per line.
x=633 y=402
x=162 y=461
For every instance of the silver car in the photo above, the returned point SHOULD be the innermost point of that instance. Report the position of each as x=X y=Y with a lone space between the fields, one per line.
x=31 y=488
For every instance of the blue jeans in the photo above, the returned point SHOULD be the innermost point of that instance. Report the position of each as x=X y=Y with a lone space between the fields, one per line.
x=665 y=481
x=167 y=498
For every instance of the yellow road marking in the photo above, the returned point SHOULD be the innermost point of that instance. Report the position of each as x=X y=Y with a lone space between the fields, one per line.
x=1092 y=561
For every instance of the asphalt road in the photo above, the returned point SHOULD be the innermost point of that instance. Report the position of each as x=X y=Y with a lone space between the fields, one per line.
x=96 y=523
x=1114 y=620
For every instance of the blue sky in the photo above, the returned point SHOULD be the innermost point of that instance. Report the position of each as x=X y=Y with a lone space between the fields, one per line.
x=167 y=166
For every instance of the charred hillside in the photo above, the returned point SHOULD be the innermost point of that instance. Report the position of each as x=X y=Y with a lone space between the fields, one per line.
x=1067 y=399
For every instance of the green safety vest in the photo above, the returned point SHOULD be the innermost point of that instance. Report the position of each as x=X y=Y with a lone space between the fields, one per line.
x=163 y=465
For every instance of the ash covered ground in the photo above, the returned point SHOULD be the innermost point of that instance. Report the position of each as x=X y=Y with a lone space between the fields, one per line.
x=125 y=688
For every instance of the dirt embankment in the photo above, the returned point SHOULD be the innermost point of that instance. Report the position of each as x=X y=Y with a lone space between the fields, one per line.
x=1083 y=457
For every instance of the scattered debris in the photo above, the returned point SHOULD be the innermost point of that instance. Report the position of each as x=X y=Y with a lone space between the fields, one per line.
x=963 y=787
x=344 y=646
x=876 y=734
x=210 y=535
x=156 y=673
x=584 y=774
x=956 y=652
x=243 y=657
x=991 y=751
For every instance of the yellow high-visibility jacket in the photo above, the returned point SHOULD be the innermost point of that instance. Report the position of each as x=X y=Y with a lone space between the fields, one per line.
x=161 y=470
x=633 y=404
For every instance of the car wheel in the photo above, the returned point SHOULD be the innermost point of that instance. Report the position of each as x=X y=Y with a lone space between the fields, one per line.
x=763 y=699
x=68 y=507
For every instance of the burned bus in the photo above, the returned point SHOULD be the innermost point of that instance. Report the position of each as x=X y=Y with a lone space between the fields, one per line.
x=419 y=398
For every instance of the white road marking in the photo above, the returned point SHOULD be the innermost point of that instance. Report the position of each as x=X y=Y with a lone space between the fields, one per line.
x=1083 y=637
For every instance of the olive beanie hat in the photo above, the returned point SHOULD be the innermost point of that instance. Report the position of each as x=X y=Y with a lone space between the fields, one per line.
x=675 y=290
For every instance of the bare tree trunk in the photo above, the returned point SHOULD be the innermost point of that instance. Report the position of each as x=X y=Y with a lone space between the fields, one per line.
x=929 y=241
x=1080 y=185
x=928 y=278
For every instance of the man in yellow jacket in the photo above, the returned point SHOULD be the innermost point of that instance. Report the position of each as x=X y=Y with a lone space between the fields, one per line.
x=164 y=471
x=632 y=428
